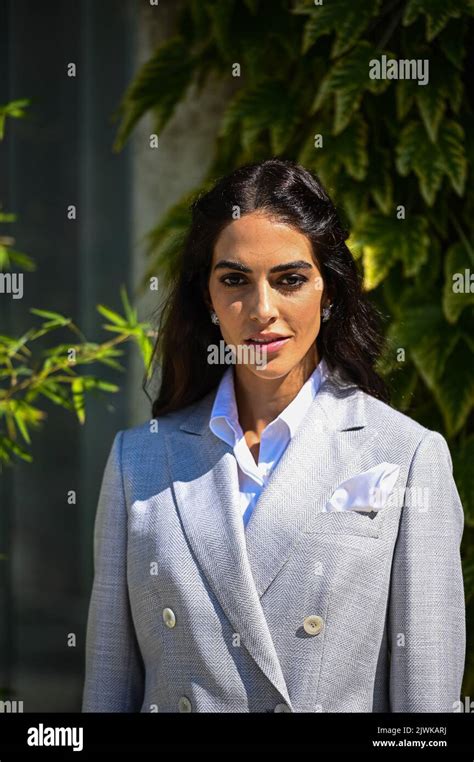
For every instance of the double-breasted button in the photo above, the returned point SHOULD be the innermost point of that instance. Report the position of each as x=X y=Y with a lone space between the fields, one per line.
x=313 y=624
x=184 y=704
x=282 y=708
x=169 y=617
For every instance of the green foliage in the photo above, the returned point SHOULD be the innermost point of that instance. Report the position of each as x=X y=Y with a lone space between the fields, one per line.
x=28 y=374
x=387 y=144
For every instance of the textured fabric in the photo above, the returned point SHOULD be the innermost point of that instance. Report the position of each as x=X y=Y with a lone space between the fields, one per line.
x=306 y=610
x=224 y=423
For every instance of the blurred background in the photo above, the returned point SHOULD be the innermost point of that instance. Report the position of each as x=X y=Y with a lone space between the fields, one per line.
x=113 y=116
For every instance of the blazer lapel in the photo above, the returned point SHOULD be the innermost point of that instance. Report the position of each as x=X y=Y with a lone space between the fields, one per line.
x=206 y=490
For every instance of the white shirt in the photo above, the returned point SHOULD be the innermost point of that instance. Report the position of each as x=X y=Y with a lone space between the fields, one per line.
x=224 y=423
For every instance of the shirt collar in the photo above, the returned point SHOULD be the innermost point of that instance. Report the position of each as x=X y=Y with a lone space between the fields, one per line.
x=225 y=412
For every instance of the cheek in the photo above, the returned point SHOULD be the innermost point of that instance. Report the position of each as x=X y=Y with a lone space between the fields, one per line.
x=305 y=313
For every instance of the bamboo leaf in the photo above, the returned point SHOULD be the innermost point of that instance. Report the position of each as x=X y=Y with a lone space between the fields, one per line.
x=114 y=317
x=78 y=398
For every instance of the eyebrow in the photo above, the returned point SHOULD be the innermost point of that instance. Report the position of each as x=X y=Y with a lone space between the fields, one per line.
x=299 y=264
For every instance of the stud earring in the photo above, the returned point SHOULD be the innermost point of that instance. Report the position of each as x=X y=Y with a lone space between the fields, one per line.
x=326 y=313
x=214 y=318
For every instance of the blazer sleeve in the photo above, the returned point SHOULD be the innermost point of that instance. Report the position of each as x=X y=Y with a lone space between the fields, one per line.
x=426 y=610
x=114 y=672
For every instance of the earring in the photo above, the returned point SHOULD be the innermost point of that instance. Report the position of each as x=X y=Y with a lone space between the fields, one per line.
x=214 y=318
x=326 y=313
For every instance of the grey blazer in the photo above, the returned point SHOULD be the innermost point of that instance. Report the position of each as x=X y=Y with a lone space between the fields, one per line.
x=302 y=611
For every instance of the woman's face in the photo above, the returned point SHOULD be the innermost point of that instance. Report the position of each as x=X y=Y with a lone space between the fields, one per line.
x=263 y=279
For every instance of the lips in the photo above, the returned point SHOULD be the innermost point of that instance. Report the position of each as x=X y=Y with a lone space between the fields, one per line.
x=266 y=338
x=271 y=345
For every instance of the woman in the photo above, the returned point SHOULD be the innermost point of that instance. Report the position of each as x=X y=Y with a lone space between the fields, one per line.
x=277 y=538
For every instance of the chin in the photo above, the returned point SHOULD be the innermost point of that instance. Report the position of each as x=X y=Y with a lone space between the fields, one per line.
x=273 y=369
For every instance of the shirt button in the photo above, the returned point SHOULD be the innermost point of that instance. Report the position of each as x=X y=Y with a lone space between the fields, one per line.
x=169 y=617
x=184 y=704
x=282 y=708
x=313 y=624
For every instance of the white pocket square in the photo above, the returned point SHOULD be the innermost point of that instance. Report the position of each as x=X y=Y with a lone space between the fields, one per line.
x=367 y=491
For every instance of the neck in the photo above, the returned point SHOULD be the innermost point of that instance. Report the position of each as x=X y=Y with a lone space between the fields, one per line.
x=261 y=400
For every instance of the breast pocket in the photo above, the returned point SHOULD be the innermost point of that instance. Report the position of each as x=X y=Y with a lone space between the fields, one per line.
x=345 y=523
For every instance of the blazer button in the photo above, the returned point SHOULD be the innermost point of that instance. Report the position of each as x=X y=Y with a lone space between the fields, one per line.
x=282 y=708
x=184 y=704
x=169 y=617
x=313 y=624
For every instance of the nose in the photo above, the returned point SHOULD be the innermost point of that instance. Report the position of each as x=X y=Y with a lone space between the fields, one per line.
x=263 y=304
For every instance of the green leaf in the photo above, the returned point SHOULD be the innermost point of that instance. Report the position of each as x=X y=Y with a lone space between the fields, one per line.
x=430 y=161
x=432 y=106
x=452 y=156
x=9 y=257
x=348 y=149
x=380 y=181
x=348 y=79
x=159 y=85
x=444 y=85
x=437 y=12
x=221 y=18
x=78 y=398
x=130 y=313
x=14 y=109
x=270 y=105
x=441 y=357
x=21 y=426
x=114 y=317
x=456 y=296
x=8 y=446
x=54 y=392
x=348 y=19
x=384 y=240
x=406 y=91
x=454 y=390
x=55 y=318
x=463 y=458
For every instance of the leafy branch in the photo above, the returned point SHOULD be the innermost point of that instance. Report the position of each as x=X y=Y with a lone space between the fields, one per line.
x=53 y=373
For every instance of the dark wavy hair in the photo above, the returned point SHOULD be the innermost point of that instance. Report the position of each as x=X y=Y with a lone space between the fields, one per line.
x=350 y=341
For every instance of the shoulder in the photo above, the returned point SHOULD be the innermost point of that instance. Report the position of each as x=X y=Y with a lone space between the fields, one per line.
x=384 y=414
x=147 y=440
x=401 y=426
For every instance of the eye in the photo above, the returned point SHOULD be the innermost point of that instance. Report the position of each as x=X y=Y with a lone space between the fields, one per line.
x=229 y=285
x=295 y=284
x=300 y=279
